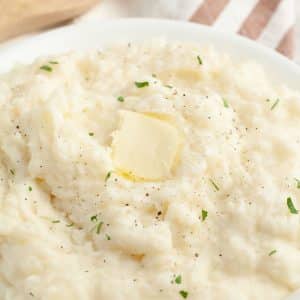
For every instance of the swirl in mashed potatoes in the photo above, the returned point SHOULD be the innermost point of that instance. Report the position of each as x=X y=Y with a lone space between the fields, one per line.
x=149 y=171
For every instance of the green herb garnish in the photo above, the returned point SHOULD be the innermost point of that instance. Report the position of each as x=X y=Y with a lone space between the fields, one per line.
x=168 y=86
x=291 y=206
x=204 y=214
x=55 y=221
x=184 y=294
x=53 y=62
x=199 y=60
x=70 y=225
x=141 y=84
x=98 y=227
x=272 y=252
x=91 y=133
x=178 y=279
x=12 y=172
x=298 y=183
x=29 y=188
x=94 y=218
x=108 y=237
x=108 y=176
x=225 y=103
x=214 y=185
x=275 y=104
x=46 y=68
x=120 y=98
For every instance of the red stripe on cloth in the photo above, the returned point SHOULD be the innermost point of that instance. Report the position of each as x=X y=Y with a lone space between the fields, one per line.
x=287 y=44
x=209 y=11
x=259 y=18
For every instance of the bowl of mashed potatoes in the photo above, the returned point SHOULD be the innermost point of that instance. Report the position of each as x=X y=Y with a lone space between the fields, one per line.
x=155 y=165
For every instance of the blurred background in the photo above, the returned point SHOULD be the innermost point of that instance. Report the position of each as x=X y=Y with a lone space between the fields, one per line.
x=273 y=23
x=298 y=32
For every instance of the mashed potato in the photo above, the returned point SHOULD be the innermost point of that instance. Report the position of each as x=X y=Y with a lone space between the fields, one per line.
x=150 y=171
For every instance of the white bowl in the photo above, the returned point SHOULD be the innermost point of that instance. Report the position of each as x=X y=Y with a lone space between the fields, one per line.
x=96 y=34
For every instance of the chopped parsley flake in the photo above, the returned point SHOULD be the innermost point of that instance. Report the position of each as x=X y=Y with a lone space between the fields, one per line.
x=120 y=99
x=108 y=176
x=214 y=185
x=204 y=214
x=168 y=86
x=94 y=218
x=91 y=133
x=184 y=294
x=272 y=252
x=108 y=237
x=141 y=84
x=29 y=188
x=53 y=62
x=199 y=60
x=12 y=172
x=225 y=103
x=70 y=225
x=298 y=183
x=275 y=104
x=55 y=221
x=46 y=68
x=178 y=279
x=98 y=227
x=154 y=75
x=291 y=206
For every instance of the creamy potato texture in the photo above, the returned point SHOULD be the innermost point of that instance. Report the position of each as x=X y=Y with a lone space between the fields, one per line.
x=150 y=171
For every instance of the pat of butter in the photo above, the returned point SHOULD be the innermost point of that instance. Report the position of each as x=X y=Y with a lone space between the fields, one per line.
x=145 y=147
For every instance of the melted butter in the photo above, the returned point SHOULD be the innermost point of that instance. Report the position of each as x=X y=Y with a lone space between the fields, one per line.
x=146 y=146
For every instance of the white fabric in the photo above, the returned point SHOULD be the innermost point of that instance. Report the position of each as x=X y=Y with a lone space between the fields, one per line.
x=234 y=14
x=286 y=12
x=230 y=19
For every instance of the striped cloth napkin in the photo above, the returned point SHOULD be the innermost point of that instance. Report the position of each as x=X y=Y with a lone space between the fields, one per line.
x=270 y=22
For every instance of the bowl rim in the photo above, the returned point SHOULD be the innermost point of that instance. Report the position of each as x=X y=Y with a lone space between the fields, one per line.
x=102 y=31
